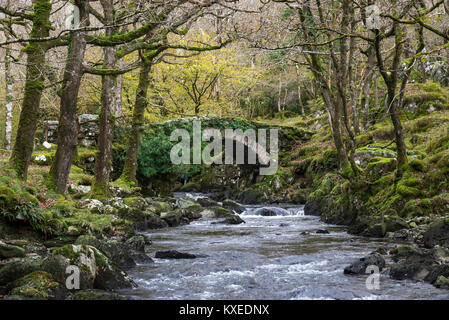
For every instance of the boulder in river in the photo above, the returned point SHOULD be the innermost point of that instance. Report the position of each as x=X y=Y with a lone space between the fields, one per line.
x=420 y=263
x=360 y=266
x=252 y=196
x=207 y=202
x=96 y=269
x=173 y=254
x=215 y=212
x=313 y=208
x=270 y=211
x=233 y=206
x=437 y=234
x=124 y=254
x=156 y=222
x=231 y=219
x=81 y=257
x=322 y=231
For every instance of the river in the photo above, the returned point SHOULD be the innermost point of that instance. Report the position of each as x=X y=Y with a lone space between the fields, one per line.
x=267 y=257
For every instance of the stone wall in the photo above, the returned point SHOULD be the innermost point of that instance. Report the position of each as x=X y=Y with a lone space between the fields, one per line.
x=88 y=130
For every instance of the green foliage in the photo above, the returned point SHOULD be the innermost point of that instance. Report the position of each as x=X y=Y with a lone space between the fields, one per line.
x=154 y=156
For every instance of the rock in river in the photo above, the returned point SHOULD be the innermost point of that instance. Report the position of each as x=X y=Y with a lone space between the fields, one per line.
x=173 y=254
x=233 y=206
x=360 y=266
x=270 y=211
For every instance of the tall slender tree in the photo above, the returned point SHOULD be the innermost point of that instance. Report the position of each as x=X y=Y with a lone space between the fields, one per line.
x=68 y=118
x=34 y=85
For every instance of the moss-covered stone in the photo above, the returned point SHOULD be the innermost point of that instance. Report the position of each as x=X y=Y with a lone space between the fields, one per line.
x=135 y=202
x=18 y=269
x=191 y=187
x=9 y=251
x=38 y=285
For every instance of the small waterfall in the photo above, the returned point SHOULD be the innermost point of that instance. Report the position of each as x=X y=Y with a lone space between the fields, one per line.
x=274 y=211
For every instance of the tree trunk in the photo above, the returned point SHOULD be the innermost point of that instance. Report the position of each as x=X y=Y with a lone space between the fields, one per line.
x=298 y=79
x=391 y=81
x=34 y=85
x=9 y=81
x=129 y=170
x=108 y=107
x=279 y=93
x=397 y=125
x=366 y=86
x=334 y=112
x=118 y=92
x=68 y=118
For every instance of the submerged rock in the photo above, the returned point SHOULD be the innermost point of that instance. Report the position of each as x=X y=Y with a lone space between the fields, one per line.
x=322 y=231
x=231 y=219
x=360 y=266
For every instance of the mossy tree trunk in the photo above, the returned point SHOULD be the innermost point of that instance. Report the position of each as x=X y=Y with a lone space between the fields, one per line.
x=34 y=84
x=333 y=106
x=68 y=118
x=130 y=167
x=108 y=107
x=343 y=70
x=367 y=80
x=391 y=80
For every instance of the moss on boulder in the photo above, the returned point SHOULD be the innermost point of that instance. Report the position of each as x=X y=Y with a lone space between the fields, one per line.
x=38 y=285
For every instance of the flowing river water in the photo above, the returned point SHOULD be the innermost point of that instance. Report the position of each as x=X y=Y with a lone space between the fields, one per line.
x=267 y=257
